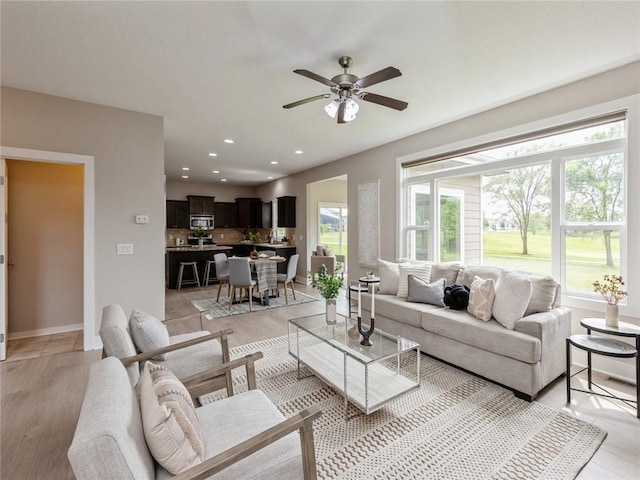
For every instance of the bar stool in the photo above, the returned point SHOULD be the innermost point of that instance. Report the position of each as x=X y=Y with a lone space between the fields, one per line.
x=194 y=266
x=207 y=272
x=355 y=287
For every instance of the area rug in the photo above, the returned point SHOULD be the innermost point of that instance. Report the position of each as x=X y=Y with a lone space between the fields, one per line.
x=221 y=309
x=456 y=426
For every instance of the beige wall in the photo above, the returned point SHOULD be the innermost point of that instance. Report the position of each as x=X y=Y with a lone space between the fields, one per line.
x=45 y=207
x=380 y=162
x=178 y=190
x=128 y=150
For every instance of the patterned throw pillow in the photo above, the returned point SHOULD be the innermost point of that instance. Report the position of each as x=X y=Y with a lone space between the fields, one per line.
x=389 y=273
x=481 y=298
x=169 y=420
x=423 y=272
x=513 y=293
x=148 y=333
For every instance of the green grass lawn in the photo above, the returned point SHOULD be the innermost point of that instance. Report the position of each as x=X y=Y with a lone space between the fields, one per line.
x=331 y=239
x=586 y=258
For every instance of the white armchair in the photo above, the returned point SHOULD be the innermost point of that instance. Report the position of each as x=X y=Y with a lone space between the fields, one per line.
x=332 y=262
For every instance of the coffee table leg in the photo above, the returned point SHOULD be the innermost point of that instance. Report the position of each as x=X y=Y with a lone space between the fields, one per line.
x=346 y=401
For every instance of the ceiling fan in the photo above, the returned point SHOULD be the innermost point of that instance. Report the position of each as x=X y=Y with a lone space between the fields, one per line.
x=347 y=87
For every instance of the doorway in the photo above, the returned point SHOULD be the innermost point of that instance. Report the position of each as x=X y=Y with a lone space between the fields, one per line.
x=84 y=293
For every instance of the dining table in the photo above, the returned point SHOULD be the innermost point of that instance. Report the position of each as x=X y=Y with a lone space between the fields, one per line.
x=266 y=269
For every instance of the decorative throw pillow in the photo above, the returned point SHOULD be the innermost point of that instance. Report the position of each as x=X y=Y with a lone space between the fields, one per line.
x=456 y=296
x=389 y=273
x=481 y=298
x=423 y=292
x=328 y=252
x=148 y=333
x=543 y=293
x=513 y=293
x=421 y=271
x=448 y=271
x=169 y=420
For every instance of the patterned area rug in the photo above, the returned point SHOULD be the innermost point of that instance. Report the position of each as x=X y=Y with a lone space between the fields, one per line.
x=219 y=309
x=456 y=426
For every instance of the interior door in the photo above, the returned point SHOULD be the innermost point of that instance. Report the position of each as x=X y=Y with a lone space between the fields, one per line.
x=3 y=259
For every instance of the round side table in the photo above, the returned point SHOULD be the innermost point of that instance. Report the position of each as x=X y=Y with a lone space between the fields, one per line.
x=604 y=346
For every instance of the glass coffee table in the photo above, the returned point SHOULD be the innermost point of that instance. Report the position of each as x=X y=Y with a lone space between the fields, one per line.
x=368 y=377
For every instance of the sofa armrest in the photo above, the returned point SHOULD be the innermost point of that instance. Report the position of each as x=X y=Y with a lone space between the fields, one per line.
x=551 y=328
x=303 y=421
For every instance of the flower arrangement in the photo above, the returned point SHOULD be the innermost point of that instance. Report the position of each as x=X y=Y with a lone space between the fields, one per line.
x=328 y=284
x=610 y=289
x=200 y=232
x=255 y=237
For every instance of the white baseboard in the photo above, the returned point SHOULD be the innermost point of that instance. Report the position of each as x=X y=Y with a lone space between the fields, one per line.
x=45 y=331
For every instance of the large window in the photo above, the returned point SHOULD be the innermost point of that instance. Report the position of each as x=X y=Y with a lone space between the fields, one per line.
x=551 y=202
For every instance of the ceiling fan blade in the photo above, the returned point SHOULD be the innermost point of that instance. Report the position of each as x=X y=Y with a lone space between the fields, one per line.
x=341 y=111
x=384 y=101
x=377 y=77
x=306 y=100
x=316 y=77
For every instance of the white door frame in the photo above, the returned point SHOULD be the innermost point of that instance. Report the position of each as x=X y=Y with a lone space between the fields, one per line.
x=88 y=282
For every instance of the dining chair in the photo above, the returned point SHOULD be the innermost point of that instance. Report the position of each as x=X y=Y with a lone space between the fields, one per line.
x=289 y=277
x=222 y=272
x=240 y=277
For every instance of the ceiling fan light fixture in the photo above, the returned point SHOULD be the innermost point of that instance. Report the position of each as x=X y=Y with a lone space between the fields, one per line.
x=351 y=109
x=332 y=108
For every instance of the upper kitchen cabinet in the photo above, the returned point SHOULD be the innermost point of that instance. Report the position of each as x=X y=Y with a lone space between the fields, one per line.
x=249 y=212
x=286 y=211
x=200 y=205
x=177 y=214
x=226 y=215
x=267 y=214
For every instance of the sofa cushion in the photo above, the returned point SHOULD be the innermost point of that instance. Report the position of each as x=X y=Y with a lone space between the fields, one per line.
x=397 y=308
x=459 y=325
x=481 y=298
x=423 y=292
x=448 y=271
x=171 y=426
x=320 y=250
x=148 y=333
x=467 y=274
x=543 y=292
x=513 y=293
x=115 y=334
x=421 y=271
x=328 y=252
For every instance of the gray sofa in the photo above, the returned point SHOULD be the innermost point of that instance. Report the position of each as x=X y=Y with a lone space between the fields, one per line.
x=524 y=359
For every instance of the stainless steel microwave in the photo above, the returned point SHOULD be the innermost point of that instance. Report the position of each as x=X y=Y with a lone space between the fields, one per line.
x=201 y=221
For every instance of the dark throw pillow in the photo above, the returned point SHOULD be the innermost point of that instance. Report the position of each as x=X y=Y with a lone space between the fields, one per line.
x=456 y=296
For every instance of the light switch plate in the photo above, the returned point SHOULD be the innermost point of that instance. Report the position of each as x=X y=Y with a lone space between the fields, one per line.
x=142 y=218
x=124 y=248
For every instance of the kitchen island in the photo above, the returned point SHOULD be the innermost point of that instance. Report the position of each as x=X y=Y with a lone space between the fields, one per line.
x=176 y=254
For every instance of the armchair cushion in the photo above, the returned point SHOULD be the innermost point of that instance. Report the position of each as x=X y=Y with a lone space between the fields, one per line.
x=148 y=333
x=196 y=358
x=171 y=425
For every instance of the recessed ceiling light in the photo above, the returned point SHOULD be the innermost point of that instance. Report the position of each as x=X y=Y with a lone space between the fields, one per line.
x=185 y=176
x=216 y=171
x=274 y=163
x=269 y=178
x=298 y=152
x=211 y=154
x=228 y=140
x=185 y=168
x=223 y=179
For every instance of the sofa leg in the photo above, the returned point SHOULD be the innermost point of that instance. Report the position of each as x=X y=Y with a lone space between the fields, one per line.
x=524 y=396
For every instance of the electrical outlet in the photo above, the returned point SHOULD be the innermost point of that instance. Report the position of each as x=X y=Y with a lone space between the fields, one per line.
x=142 y=218
x=124 y=248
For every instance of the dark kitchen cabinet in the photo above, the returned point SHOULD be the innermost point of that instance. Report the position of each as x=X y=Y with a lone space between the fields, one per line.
x=200 y=205
x=249 y=212
x=177 y=214
x=286 y=211
x=226 y=215
x=267 y=209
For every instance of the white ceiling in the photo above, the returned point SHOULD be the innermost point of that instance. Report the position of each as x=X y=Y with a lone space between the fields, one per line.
x=218 y=70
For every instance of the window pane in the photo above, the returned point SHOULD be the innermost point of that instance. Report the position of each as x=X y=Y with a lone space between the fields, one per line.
x=418 y=244
x=590 y=255
x=594 y=188
x=450 y=228
x=517 y=217
x=418 y=205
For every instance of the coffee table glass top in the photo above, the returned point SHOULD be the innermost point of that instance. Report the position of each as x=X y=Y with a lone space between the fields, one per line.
x=384 y=345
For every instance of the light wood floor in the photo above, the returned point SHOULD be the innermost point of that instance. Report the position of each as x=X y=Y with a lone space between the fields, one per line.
x=42 y=392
